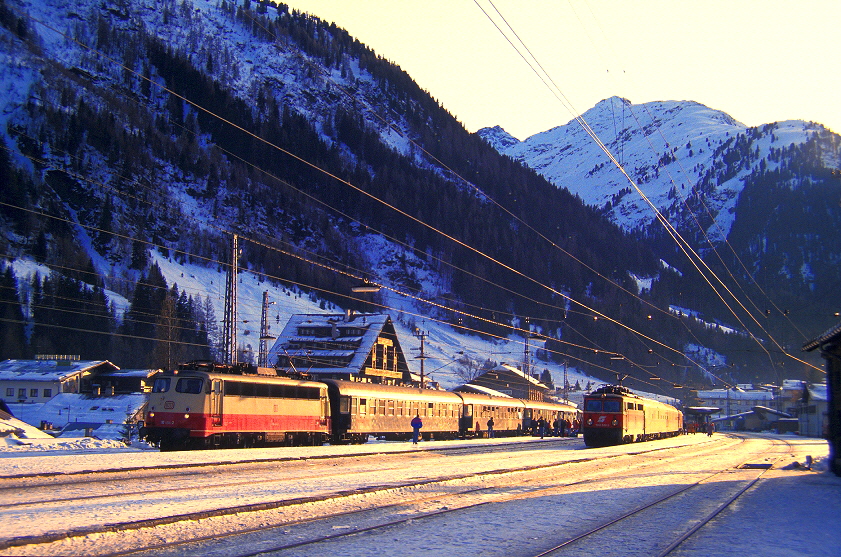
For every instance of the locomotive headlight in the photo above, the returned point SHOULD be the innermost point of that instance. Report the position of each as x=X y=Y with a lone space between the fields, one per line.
x=615 y=422
x=590 y=421
x=151 y=414
x=186 y=416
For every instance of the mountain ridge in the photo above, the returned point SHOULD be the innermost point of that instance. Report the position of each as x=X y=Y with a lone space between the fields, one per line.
x=253 y=119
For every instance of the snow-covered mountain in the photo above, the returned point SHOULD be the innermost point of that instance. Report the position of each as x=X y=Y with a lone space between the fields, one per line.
x=150 y=131
x=498 y=138
x=672 y=154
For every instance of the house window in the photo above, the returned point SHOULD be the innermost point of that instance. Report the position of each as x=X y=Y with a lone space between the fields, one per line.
x=378 y=357
x=21 y=393
x=390 y=357
x=48 y=393
x=10 y=391
x=33 y=393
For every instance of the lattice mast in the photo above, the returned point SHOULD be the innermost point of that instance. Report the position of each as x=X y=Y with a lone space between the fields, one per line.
x=265 y=337
x=229 y=333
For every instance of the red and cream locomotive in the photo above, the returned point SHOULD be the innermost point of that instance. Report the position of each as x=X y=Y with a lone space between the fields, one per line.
x=614 y=415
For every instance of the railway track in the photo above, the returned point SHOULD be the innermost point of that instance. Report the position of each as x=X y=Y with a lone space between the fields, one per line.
x=659 y=514
x=413 y=501
x=107 y=474
x=34 y=489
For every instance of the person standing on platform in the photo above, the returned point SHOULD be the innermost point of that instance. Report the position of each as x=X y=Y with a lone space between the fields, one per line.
x=417 y=424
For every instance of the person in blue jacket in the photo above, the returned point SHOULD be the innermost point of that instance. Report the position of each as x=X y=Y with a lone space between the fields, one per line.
x=417 y=424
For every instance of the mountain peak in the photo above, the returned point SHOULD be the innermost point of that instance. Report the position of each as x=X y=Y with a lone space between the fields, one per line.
x=498 y=138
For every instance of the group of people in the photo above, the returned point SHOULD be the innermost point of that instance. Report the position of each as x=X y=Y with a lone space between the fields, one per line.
x=708 y=428
x=560 y=427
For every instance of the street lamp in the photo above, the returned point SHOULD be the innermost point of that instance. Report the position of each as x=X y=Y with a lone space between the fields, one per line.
x=366 y=286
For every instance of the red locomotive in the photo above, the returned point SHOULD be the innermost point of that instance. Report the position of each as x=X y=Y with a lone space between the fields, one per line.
x=614 y=415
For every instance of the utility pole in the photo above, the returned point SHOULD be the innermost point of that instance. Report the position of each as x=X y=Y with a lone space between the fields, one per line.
x=526 y=357
x=566 y=383
x=422 y=336
x=229 y=333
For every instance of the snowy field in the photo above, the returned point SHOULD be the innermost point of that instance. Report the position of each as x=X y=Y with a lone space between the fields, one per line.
x=792 y=511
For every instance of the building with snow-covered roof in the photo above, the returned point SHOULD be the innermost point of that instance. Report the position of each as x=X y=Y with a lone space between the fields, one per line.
x=732 y=401
x=814 y=411
x=123 y=381
x=83 y=412
x=509 y=380
x=356 y=347
x=37 y=381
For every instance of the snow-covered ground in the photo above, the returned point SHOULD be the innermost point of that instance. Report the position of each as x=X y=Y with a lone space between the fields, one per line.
x=793 y=511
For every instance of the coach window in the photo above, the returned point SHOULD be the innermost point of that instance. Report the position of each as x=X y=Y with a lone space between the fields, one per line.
x=630 y=406
x=381 y=406
x=344 y=404
x=390 y=408
x=401 y=404
x=161 y=385
x=363 y=406
x=354 y=405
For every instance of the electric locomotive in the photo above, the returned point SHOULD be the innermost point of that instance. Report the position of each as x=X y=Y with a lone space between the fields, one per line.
x=613 y=415
x=202 y=405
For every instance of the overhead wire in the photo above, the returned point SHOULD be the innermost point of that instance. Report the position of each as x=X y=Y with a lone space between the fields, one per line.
x=701 y=199
x=332 y=176
x=485 y=195
x=692 y=256
x=193 y=104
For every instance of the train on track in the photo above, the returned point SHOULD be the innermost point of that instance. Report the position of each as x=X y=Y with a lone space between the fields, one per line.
x=202 y=405
x=613 y=415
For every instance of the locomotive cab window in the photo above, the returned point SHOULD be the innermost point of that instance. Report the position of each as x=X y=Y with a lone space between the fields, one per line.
x=593 y=406
x=161 y=385
x=612 y=406
x=189 y=385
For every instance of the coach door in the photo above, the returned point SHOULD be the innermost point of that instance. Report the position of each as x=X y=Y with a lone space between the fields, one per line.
x=216 y=402
x=644 y=430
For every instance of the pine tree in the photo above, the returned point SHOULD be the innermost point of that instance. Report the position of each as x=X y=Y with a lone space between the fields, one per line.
x=212 y=330
x=12 y=332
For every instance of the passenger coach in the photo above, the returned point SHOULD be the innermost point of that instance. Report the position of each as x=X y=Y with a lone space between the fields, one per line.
x=363 y=409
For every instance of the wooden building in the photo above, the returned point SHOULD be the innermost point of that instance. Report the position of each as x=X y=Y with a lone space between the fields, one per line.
x=829 y=343
x=355 y=347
